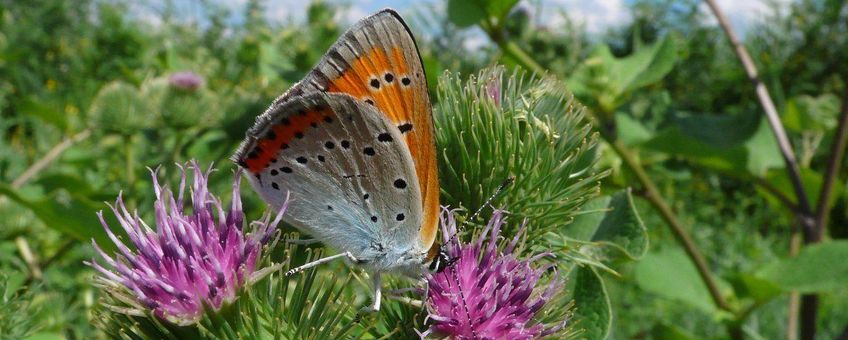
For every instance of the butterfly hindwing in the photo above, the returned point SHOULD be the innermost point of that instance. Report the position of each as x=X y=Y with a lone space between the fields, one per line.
x=350 y=176
x=377 y=61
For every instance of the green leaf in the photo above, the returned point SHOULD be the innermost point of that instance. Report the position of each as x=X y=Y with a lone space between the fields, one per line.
x=663 y=331
x=817 y=268
x=465 y=13
x=646 y=66
x=43 y=111
x=758 y=289
x=68 y=213
x=811 y=179
x=630 y=130
x=593 y=313
x=612 y=220
x=742 y=145
x=669 y=273
x=806 y=113
x=604 y=82
x=500 y=8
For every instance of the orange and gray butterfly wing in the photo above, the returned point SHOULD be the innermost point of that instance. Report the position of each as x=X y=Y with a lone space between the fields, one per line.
x=377 y=61
x=345 y=164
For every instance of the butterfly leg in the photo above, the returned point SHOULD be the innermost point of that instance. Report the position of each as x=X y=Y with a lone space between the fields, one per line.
x=378 y=291
x=321 y=261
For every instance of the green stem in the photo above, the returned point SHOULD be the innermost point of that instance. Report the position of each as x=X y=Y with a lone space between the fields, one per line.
x=130 y=154
x=651 y=193
x=178 y=140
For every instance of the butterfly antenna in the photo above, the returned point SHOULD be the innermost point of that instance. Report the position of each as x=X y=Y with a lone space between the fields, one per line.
x=495 y=195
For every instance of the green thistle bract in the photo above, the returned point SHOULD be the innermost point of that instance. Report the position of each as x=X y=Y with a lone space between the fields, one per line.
x=493 y=127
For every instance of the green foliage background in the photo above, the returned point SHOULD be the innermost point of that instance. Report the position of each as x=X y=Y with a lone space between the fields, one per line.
x=89 y=79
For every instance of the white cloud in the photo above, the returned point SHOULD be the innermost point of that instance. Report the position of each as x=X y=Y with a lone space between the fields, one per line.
x=285 y=10
x=596 y=15
x=743 y=13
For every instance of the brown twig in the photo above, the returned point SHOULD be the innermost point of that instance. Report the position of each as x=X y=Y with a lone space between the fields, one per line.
x=771 y=114
x=834 y=162
x=29 y=257
x=804 y=215
x=51 y=155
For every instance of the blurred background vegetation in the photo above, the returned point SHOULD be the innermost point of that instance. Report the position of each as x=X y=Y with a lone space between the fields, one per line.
x=90 y=96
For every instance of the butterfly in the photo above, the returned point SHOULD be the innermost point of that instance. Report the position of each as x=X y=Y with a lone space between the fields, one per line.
x=353 y=144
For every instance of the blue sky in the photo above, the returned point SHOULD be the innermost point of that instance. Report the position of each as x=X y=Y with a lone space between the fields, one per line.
x=596 y=15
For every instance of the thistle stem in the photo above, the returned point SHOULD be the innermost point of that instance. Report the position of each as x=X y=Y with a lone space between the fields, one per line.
x=128 y=144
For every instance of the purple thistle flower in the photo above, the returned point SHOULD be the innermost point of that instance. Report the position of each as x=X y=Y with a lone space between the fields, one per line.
x=191 y=260
x=487 y=293
x=185 y=80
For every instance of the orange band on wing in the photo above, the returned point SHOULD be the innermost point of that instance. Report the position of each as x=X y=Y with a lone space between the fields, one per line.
x=280 y=135
x=394 y=95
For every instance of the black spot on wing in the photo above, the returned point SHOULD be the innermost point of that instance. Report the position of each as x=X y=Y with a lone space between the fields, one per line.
x=400 y=183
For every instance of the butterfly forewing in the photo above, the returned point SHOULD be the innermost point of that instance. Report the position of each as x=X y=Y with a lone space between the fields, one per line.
x=350 y=175
x=377 y=62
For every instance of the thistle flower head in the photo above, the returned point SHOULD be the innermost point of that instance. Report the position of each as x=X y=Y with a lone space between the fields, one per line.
x=185 y=80
x=489 y=293
x=193 y=260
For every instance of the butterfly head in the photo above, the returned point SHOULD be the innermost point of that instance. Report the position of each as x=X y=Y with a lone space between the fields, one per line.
x=439 y=259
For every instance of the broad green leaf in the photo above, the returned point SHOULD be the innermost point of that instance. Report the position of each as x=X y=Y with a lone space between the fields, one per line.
x=500 y=8
x=811 y=179
x=604 y=82
x=805 y=113
x=646 y=66
x=45 y=112
x=736 y=144
x=69 y=182
x=465 y=13
x=592 y=313
x=817 y=268
x=763 y=152
x=668 y=273
x=612 y=220
x=631 y=131
x=663 y=331
x=68 y=213
x=758 y=289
